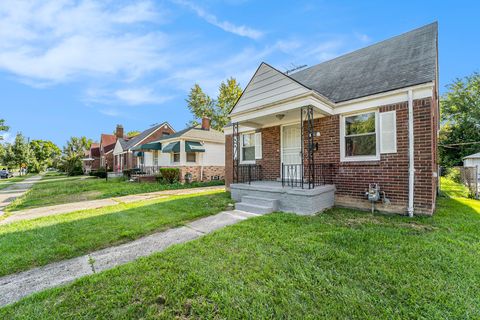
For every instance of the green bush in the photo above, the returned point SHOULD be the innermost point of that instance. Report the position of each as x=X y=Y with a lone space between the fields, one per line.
x=168 y=175
x=453 y=174
x=100 y=173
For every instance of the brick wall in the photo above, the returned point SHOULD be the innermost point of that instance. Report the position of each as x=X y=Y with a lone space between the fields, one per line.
x=352 y=178
x=196 y=171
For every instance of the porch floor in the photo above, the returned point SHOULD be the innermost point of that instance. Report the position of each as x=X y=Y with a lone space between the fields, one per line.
x=291 y=199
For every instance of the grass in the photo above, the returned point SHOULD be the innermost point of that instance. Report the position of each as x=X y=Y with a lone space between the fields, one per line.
x=32 y=243
x=7 y=182
x=342 y=264
x=55 y=188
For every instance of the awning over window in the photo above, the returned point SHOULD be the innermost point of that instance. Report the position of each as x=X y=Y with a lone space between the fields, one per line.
x=148 y=146
x=138 y=154
x=172 y=147
x=194 y=146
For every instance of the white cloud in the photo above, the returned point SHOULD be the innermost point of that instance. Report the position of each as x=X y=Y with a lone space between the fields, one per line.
x=227 y=26
x=138 y=96
x=128 y=96
x=364 y=38
x=59 y=41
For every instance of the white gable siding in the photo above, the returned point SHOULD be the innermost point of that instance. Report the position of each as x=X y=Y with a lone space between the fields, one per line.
x=118 y=148
x=471 y=162
x=268 y=86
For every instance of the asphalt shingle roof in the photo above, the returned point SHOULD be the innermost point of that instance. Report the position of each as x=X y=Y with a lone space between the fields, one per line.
x=402 y=61
x=127 y=144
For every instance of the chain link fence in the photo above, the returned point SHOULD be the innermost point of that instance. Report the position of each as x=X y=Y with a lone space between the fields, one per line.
x=468 y=176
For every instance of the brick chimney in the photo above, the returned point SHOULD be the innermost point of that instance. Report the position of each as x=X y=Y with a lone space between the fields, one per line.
x=119 y=131
x=205 y=123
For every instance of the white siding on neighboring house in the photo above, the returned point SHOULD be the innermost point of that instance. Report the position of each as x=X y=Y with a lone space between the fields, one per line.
x=471 y=162
x=214 y=154
x=268 y=85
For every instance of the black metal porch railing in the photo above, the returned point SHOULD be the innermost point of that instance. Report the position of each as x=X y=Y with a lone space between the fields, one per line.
x=309 y=176
x=246 y=173
x=146 y=170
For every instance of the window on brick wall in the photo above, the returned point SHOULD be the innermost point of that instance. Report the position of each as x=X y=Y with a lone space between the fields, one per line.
x=248 y=147
x=359 y=137
x=251 y=147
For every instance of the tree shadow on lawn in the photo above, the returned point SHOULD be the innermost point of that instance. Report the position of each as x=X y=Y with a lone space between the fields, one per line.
x=59 y=237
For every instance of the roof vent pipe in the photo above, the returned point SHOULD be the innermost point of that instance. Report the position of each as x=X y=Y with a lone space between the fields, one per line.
x=411 y=155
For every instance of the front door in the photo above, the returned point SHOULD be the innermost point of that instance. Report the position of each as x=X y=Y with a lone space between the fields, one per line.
x=291 y=151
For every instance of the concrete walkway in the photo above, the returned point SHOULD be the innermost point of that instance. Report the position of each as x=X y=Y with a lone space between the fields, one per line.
x=10 y=193
x=94 y=204
x=16 y=286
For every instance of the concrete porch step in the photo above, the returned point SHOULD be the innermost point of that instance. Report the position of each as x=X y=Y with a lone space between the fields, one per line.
x=252 y=208
x=259 y=201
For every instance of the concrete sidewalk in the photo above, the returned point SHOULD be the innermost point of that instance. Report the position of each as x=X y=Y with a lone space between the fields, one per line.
x=94 y=204
x=16 y=286
x=10 y=193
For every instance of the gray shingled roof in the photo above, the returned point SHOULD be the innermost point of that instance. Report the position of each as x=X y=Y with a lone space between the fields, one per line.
x=402 y=61
x=138 y=138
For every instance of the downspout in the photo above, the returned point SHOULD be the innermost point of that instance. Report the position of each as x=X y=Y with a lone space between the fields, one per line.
x=411 y=154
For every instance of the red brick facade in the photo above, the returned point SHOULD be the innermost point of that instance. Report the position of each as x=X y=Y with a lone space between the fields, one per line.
x=352 y=178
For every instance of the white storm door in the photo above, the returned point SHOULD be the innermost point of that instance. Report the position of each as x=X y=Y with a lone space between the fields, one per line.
x=291 y=150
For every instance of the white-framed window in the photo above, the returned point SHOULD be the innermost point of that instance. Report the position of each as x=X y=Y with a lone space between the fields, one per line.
x=250 y=147
x=247 y=147
x=359 y=137
x=155 y=157
x=176 y=157
x=388 y=132
x=191 y=157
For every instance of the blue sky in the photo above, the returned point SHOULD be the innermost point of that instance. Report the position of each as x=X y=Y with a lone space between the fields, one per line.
x=72 y=68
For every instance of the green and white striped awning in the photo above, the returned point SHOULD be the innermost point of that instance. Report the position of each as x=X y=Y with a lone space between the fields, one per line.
x=148 y=146
x=194 y=146
x=172 y=147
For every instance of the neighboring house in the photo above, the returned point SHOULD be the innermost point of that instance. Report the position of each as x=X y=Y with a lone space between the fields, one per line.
x=91 y=162
x=124 y=157
x=197 y=150
x=322 y=135
x=107 y=144
x=472 y=160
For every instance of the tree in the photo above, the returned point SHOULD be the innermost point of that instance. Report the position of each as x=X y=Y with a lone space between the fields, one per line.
x=3 y=127
x=73 y=152
x=201 y=105
x=77 y=146
x=460 y=118
x=229 y=93
x=22 y=153
x=133 y=133
x=46 y=153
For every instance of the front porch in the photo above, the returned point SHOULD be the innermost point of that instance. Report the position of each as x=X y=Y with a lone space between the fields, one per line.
x=269 y=196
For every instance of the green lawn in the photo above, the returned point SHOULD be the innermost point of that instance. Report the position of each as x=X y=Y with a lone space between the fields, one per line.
x=27 y=244
x=56 y=188
x=342 y=264
x=6 y=182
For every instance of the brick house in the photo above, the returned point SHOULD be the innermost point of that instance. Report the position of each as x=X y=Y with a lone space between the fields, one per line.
x=323 y=136
x=107 y=143
x=125 y=157
x=91 y=162
x=198 y=150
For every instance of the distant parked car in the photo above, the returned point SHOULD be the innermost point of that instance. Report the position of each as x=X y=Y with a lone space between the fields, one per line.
x=5 y=174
